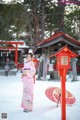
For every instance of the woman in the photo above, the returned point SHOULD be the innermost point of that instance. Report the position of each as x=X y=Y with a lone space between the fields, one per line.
x=28 y=72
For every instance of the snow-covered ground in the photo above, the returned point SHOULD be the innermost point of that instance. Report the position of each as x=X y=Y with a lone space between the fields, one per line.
x=44 y=109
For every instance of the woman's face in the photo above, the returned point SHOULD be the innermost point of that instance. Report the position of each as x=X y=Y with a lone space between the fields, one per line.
x=29 y=58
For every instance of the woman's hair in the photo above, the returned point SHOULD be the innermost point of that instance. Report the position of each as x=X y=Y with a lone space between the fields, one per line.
x=30 y=54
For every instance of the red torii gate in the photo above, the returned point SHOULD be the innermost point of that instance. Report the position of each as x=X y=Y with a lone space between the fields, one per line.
x=9 y=48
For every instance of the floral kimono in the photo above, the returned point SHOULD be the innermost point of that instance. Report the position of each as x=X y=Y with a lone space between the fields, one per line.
x=28 y=81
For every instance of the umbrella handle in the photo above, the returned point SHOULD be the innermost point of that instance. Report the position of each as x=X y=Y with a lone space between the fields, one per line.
x=58 y=100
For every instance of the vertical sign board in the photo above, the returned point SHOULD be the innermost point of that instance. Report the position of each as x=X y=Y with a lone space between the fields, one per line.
x=63 y=64
x=64 y=60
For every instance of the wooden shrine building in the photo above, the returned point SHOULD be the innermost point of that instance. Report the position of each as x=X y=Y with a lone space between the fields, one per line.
x=58 y=40
x=54 y=43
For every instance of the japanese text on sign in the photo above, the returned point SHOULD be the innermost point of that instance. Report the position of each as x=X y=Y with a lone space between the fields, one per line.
x=64 y=60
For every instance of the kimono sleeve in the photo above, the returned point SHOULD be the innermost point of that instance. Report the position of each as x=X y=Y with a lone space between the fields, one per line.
x=33 y=69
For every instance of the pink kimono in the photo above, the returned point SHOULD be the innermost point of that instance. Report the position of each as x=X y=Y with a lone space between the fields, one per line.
x=28 y=81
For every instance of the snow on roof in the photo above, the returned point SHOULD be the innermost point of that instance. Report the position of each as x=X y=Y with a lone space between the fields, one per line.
x=23 y=46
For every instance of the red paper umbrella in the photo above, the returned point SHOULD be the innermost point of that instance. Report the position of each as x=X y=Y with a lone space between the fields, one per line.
x=54 y=94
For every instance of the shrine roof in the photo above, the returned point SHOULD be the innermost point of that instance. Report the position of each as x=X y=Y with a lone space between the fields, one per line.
x=64 y=50
x=57 y=35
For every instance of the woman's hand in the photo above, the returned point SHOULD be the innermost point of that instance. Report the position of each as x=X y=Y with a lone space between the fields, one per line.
x=23 y=74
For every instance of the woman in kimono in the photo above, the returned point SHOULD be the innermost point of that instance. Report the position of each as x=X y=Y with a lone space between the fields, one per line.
x=28 y=72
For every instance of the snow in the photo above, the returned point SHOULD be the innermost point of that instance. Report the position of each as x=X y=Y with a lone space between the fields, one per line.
x=44 y=109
